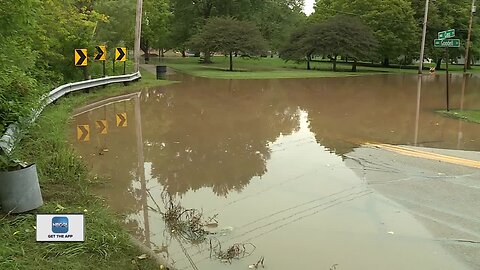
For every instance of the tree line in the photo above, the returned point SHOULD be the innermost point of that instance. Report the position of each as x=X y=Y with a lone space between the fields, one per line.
x=38 y=36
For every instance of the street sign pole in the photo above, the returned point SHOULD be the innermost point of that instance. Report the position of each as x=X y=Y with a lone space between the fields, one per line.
x=448 y=95
x=104 y=70
x=124 y=68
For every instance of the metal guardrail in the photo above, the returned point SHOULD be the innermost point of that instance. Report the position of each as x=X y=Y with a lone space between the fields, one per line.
x=7 y=141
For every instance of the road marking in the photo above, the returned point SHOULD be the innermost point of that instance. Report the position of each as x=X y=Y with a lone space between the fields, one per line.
x=428 y=155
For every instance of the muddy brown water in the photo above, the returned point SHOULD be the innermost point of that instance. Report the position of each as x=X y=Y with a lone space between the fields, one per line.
x=267 y=156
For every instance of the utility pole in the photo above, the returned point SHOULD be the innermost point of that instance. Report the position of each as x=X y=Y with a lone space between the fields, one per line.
x=422 y=50
x=138 y=34
x=466 y=65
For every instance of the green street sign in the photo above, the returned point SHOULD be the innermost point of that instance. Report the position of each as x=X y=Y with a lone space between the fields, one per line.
x=446 y=34
x=450 y=43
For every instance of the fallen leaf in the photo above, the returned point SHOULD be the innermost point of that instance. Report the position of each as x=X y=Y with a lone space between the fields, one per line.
x=60 y=207
x=142 y=257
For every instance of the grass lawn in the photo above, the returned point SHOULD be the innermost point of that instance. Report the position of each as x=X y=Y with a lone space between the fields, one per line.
x=265 y=68
x=471 y=116
x=66 y=184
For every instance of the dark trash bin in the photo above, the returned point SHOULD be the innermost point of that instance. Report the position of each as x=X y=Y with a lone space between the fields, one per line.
x=161 y=72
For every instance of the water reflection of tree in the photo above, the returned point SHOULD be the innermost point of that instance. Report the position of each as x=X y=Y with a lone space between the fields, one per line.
x=343 y=113
x=201 y=135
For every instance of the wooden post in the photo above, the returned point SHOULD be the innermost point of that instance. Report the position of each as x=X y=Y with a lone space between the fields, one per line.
x=466 y=65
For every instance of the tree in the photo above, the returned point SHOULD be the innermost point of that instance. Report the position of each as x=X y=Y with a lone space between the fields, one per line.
x=117 y=29
x=155 y=29
x=17 y=59
x=444 y=15
x=343 y=36
x=299 y=46
x=277 y=19
x=337 y=36
x=189 y=16
x=392 y=22
x=38 y=39
x=229 y=35
x=62 y=27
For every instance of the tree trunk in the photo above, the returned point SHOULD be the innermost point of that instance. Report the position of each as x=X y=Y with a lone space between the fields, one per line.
x=145 y=48
x=231 y=61
x=309 y=57
x=386 y=62
x=162 y=53
x=354 y=65
x=184 y=54
x=206 y=58
x=438 y=65
x=335 y=63
x=271 y=54
x=147 y=52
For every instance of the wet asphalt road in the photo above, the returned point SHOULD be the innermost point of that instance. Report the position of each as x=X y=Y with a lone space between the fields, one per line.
x=443 y=196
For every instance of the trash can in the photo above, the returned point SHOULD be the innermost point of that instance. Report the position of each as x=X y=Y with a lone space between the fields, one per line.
x=20 y=191
x=161 y=72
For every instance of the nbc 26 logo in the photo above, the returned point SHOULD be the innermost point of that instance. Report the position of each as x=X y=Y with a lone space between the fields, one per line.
x=59 y=224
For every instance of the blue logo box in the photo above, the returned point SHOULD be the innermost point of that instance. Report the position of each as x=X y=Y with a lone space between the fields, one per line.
x=59 y=224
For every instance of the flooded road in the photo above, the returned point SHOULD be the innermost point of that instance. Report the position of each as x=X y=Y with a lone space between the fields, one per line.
x=269 y=160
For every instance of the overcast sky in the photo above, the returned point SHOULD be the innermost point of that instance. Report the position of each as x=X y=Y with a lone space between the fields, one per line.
x=308 y=6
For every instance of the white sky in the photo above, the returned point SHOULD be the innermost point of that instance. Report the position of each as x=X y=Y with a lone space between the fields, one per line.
x=308 y=9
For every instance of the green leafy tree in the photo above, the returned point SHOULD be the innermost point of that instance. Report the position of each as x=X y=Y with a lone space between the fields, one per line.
x=392 y=22
x=155 y=26
x=36 y=52
x=299 y=46
x=62 y=27
x=343 y=36
x=17 y=59
x=444 y=15
x=337 y=36
x=189 y=16
x=229 y=35
x=118 y=27
x=277 y=19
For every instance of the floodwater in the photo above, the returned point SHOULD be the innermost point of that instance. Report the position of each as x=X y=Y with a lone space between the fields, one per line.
x=267 y=159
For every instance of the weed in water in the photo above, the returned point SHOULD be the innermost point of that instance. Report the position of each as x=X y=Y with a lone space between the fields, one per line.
x=236 y=251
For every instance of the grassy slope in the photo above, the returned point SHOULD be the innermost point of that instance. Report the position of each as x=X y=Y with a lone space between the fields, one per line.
x=264 y=68
x=65 y=186
x=471 y=116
